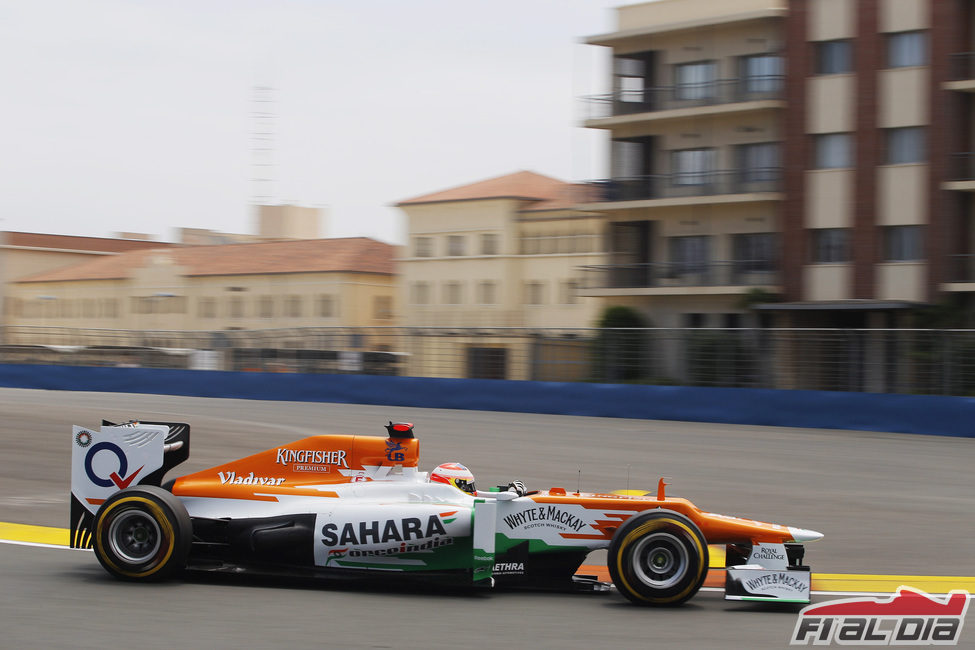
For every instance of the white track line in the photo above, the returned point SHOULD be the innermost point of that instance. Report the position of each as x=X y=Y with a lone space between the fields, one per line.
x=41 y=545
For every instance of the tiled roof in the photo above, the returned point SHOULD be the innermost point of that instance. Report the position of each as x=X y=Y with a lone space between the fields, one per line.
x=75 y=243
x=352 y=254
x=524 y=185
x=569 y=195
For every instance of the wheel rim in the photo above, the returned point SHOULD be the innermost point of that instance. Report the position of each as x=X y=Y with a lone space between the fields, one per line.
x=660 y=560
x=134 y=536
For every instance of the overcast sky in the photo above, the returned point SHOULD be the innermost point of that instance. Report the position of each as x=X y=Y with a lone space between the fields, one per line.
x=126 y=115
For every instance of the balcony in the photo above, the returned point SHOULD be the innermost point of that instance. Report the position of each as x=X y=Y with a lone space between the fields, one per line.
x=961 y=273
x=962 y=72
x=678 y=99
x=678 y=277
x=687 y=187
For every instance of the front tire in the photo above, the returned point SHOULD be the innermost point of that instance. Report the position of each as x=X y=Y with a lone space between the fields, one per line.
x=142 y=533
x=658 y=558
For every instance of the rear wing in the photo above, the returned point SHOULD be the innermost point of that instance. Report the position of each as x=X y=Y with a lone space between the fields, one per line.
x=116 y=457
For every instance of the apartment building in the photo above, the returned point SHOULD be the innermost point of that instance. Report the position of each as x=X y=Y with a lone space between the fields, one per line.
x=502 y=252
x=812 y=149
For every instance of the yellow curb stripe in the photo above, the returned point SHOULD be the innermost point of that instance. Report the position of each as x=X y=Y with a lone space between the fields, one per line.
x=889 y=584
x=35 y=534
x=820 y=581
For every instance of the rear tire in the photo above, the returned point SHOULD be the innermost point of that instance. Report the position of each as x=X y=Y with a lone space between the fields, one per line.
x=658 y=558
x=142 y=533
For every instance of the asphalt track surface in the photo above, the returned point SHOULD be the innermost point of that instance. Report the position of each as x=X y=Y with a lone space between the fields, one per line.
x=888 y=504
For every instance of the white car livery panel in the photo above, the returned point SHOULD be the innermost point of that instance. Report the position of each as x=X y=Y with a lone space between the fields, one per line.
x=408 y=536
x=113 y=458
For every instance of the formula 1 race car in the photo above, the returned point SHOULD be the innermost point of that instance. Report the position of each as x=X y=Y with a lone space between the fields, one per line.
x=353 y=505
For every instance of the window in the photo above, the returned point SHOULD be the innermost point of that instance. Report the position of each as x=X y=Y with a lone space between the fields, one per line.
x=489 y=244
x=487 y=292
x=455 y=245
x=110 y=307
x=693 y=320
x=759 y=162
x=534 y=293
x=207 y=307
x=236 y=307
x=382 y=307
x=452 y=294
x=689 y=254
x=830 y=245
x=905 y=145
x=834 y=151
x=695 y=81
x=762 y=73
x=902 y=243
x=753 y=251
x=693 y=166
x=629 y=75
x=420 y=293
x=567 y=292
x=326 y=306
x=422 y=246
x=265 y=306
x=292 y=306
x=907 y=49
x=834 y=57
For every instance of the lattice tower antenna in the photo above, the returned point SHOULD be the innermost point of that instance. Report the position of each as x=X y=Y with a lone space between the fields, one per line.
x=263 y=122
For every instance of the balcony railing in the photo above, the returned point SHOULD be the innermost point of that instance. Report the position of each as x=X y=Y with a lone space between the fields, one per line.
x=963 y=66
x=686 y=184
x=710 y=93
x=750 y=273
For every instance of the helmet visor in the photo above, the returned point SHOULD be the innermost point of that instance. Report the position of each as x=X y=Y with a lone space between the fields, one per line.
x=465 y=485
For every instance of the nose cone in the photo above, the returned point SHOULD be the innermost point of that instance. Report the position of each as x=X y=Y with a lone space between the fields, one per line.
x=803 y=535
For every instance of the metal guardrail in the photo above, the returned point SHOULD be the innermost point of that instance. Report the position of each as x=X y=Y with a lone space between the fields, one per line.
x=874 y=360
x=690 y=95
x=686 y=184
x=747 y=273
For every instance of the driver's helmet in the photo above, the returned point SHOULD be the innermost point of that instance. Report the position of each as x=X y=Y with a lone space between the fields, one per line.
x=454 y=474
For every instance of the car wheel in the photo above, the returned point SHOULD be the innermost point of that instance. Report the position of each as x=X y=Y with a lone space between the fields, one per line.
x=142 y=533
x=658 y=558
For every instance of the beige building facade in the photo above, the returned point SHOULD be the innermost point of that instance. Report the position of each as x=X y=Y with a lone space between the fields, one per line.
x=503 y=252
x=304 y=283
x=692 y=197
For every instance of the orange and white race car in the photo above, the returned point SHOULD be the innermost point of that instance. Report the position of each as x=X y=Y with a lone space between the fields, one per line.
x=354 y=505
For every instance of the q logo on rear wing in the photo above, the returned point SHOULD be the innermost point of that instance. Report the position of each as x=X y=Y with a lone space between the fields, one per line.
x=114 y=458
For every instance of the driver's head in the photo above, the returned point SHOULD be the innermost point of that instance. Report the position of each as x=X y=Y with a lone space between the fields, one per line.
x=454 y=474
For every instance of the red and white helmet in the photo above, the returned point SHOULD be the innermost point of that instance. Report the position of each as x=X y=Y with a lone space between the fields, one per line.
x=454 y=474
